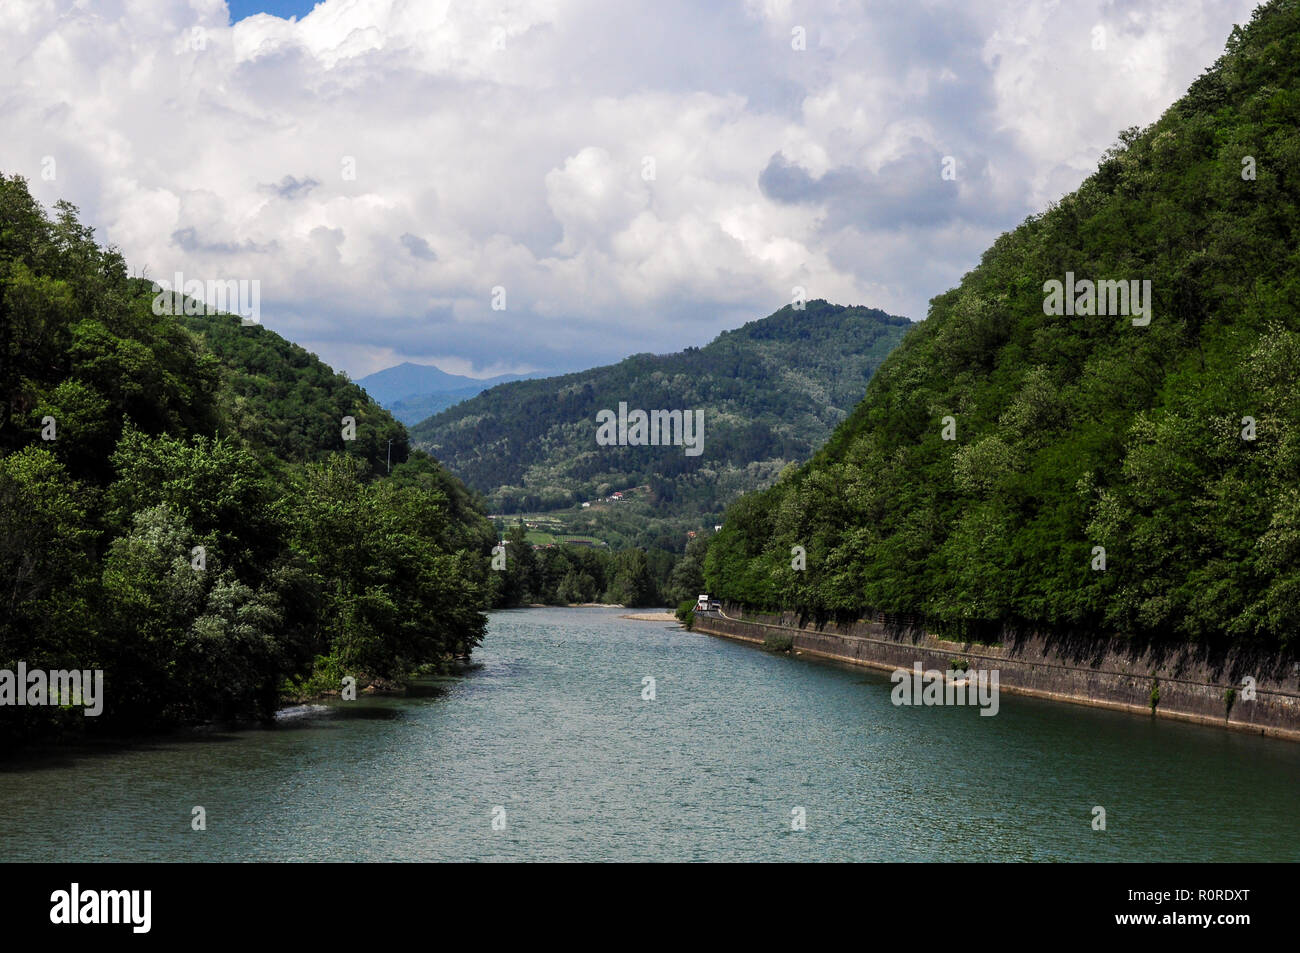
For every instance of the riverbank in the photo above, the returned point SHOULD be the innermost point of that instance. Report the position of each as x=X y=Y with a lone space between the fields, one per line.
x=328 y=684
x=1183 y=682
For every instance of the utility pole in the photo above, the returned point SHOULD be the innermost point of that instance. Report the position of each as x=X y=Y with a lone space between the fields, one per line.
x=390 y=454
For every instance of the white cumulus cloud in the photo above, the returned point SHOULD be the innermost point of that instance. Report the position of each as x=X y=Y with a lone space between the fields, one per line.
x=636 y=176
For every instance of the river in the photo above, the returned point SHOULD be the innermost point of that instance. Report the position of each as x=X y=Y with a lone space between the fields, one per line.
x=549 y=736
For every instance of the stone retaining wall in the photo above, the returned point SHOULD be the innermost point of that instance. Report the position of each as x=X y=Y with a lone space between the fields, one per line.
x=1193 y=683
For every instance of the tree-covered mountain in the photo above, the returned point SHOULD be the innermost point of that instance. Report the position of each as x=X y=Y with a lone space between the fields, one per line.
x=770 y=393
x=1104 y=474
x=181 y=507
x=412 y=392
x=284 y=402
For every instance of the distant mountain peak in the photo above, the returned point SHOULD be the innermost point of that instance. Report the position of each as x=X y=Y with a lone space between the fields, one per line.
x=414 y=391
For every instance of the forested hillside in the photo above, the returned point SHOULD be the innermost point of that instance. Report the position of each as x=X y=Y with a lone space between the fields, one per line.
x=284 y=401
x=770 y=391
x=179 y=506
x=1103 y=474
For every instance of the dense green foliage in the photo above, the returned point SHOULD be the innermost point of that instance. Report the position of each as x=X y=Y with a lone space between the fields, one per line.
x=561 y=575
x=129 y=439
x=1077 y=432
x=771 y=391
x=287 y=403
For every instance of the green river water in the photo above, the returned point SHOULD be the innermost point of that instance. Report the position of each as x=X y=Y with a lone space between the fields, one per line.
x=549 y=736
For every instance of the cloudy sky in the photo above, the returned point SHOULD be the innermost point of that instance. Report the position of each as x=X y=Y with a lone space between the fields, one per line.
x=635 y=176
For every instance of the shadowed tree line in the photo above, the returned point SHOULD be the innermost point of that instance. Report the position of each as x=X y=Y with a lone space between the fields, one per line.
x=564 y=574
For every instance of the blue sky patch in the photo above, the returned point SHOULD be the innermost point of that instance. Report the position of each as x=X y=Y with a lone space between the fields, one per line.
x=240 y=9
